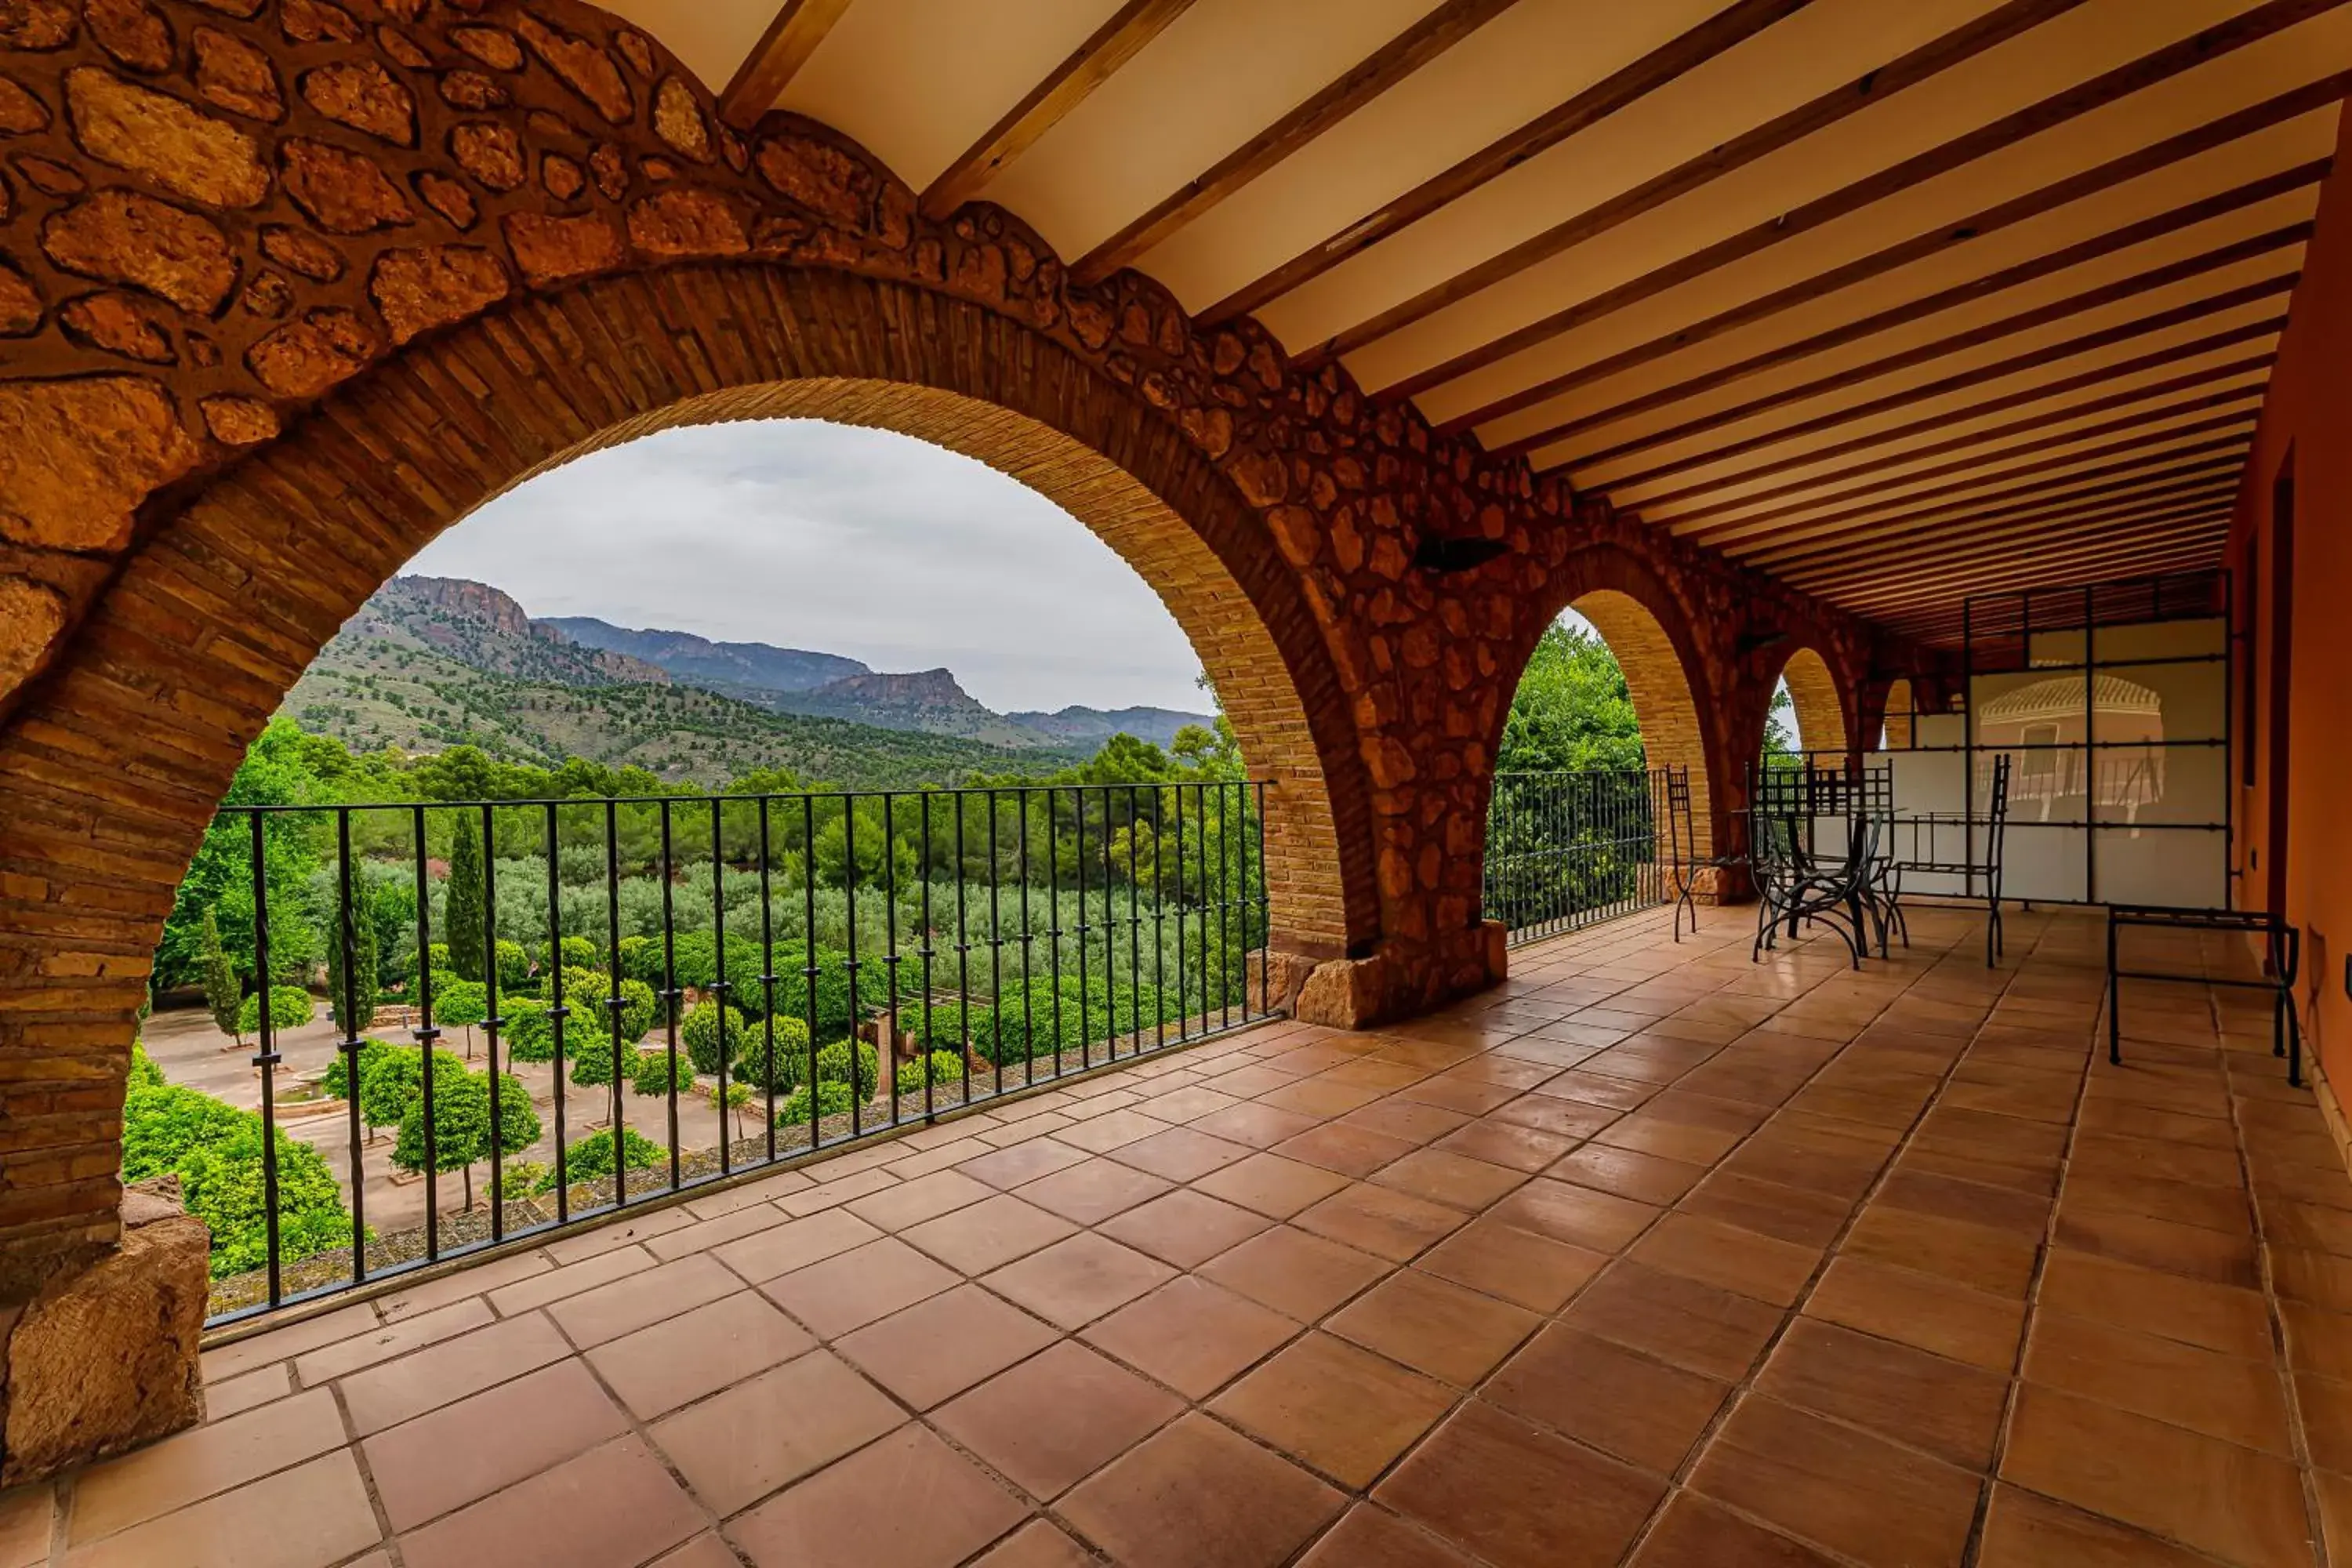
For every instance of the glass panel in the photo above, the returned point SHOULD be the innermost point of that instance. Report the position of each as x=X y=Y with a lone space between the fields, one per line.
x=1943 y=730
x=2162 y=784
x=2046 y=783
x=2161 y=702
x=2044 y=863
x=1929 y=781
x=2161 y=639
x=2060 y=648
x=2187 y=866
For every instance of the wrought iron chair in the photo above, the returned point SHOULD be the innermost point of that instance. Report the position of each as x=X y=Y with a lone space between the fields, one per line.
x=1975 y=871
x=1795 y=887
x=1683 y=859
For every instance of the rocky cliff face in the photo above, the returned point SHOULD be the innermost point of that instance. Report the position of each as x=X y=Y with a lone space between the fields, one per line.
x=480 y=626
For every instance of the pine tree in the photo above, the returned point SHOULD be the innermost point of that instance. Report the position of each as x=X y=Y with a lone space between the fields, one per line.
x=223 y=993
x=463 y=916
x=364 y=990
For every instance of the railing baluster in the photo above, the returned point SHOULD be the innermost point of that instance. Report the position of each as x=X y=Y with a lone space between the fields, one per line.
x=616 y=1129
x=491 y=1019
x=671 y=996
x=352 y=1044
x=556 y=1011
x=265 y=1058
x=718 y=975
x=425 y=1034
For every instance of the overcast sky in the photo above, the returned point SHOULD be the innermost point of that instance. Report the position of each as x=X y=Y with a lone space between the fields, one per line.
x=846 y=541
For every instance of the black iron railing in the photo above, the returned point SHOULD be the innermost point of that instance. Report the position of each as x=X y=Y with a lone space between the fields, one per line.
x=1569 y=849
x=699 y=985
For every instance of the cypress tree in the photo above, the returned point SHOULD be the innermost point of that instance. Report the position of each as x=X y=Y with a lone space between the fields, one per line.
x=463 y=915
x=223 y=992
x=364 y=990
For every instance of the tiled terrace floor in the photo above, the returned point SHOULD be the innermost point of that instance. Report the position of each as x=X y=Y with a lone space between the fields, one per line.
x=1654 y=1256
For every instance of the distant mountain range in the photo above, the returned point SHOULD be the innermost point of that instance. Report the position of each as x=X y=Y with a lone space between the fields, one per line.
x=432 y=661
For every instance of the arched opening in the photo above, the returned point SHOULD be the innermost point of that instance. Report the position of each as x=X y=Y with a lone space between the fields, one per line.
x=1896 y=734
x=1823 y=723
x=1660 y=687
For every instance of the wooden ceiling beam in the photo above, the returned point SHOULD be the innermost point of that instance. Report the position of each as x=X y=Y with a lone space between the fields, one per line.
x=1045 y=106
x=2053 y=313
x=1658 y=508
x=1391 y=64
x=791 y=36
x=1864 y=563
x=2220 y=454
x=2192 y=544
x=1872 y=506
x=2107 y=88
x=1940 y=627
x=2097 y=375
x=2049 y=198
x=1734 y=25
x=1959 y=381
x=1936 y=573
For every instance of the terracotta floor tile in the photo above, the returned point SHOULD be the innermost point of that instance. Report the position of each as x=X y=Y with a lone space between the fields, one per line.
x=1786 y=1213
x=1694 y=1532
x=1453 y=1180
x=346 y=1356
x=1473 y=1096
x=987 y=1235
x=698 y=1352
x=236 y=1395
x=1255 y=1123
x=1295 y=1273
x=1271 y=1184
x=1645 y=1412
x=1518 y=1266
x=1038 y=1545
x=1197 y=1495
x=1581 y=1216
x=707 y=1551
x=1723 y=1254
x=831 y=1520
x=1092 y=1192
x=1922 y=1309
x=464 y=1452
x=1507 y=1144
x=1408 y=1121
x=381 y=1396
x=116 y=1494
x=1111 y=1130
x=627 y=1305
x=1057 y=1418
x=1370 y=1537
x=939 y=1347
x=762 y=1258
x=1947 y=1408
x=1433 y=1327
x=924 y=1197
x=1319 y=1097
x=2194 y=1311
x=851 y=1289
x=1388 y=1224
x=1519 y=1497
x=1193 y=1336
x=2022 y=1530
x=1979 y=1257
x=1694 y=1326
x=1837 y=1487
x=1073 y=1282
x=1351 y=1151
x=307 y=1516
x=1601 y=1088
x=2233 y=1501
x=1181 y=1153
x=612 y=1507
x=737 y=1447
x=1546 y=1112
x=1184 y=1227
x=2206 y=1391
x=1024 y=1162
x=1626 y=1173
x=2163 y=1245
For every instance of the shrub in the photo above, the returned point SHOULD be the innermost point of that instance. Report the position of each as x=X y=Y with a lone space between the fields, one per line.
x=394 y=1079
x=932 y=1067
x=594 y=1068
x=161 y=1123
x=215 y=1151
x=832 y=1099
x=529 y=1031
x=289 y=1008
x=459 y=1003
x=791 y=1059
x=336 y=1079
x=838 y=1011
x=652 y=1073
x=514 y=966
x=579 y=953
x=144 y=1073
x=832 y=1066
x=592 y=1157
x=519 y=1179
x=708 y=1029
x=641 y=959
x=462 y=1133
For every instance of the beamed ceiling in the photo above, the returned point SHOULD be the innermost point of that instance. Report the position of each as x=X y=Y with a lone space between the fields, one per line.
x=1899 y=299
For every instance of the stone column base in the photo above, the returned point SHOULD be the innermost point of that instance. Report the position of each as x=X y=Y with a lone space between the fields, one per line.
x=105 y=1358
x=1397 y=981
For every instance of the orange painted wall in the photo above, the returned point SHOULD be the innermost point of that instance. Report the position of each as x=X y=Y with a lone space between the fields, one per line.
x=2307 y=415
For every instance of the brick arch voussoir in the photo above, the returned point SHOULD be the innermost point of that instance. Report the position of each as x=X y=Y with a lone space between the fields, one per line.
x=1825 y=700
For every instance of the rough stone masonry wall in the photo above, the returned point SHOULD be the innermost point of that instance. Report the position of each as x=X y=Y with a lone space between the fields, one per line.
x=240 y=238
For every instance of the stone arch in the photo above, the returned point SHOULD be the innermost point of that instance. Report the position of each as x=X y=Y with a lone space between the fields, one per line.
x=1823 y=723
x=1659 y=683
x=1894 y=731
